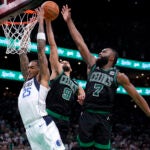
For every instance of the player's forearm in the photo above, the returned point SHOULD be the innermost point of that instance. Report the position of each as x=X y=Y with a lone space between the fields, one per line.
x=143 y=105
x=53 y=58
x=41 y=24
x=24 y=61
x=79 y=41
x=50 y=34
x=41 y=40
x=141 y=102
x=75 y=34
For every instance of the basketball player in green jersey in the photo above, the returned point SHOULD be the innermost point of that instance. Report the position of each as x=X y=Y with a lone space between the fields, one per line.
x=102 y=82
x=64 y=91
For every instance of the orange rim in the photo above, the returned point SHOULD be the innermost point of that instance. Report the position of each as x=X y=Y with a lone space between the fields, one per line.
x=30 y=11
x=18 y=23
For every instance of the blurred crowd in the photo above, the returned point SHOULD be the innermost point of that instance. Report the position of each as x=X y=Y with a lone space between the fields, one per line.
x=130 y=131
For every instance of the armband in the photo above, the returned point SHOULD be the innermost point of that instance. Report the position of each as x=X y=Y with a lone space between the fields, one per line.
x=41 y=36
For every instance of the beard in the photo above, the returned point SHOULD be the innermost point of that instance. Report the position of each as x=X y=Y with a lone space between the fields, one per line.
x=66 y=68
x=100 y=62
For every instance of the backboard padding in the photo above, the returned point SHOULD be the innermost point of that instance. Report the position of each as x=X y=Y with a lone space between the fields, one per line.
x=10 y=8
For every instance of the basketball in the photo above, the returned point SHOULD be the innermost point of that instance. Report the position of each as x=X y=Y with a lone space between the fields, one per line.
x=51 y=10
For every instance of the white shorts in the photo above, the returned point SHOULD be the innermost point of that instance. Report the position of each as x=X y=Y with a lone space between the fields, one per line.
x=43 y=135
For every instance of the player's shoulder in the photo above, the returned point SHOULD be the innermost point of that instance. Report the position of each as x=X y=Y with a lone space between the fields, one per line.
x=121 y=74
x=75 y=80
x=122 y=78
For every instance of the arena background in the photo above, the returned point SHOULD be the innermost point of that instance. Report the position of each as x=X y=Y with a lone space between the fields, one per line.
x=122 y=24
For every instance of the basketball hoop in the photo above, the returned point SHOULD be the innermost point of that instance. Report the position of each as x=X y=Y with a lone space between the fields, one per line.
x=17 y=30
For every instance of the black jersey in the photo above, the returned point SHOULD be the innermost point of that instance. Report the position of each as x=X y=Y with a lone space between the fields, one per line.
x=100 y=89
x=62 y=94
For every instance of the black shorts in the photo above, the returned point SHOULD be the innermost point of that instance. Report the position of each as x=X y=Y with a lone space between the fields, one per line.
x=95 y=130
x=63 y=127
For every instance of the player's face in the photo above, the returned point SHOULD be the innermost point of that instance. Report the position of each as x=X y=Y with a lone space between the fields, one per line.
x=103 y=58
x=105 y=52
x=33 y=69
x=66 y=66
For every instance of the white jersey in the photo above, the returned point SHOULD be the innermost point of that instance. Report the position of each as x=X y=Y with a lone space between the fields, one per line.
x=41 y=130
x=31 y=101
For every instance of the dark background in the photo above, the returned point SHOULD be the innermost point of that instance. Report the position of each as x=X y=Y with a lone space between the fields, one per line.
x=121 y=24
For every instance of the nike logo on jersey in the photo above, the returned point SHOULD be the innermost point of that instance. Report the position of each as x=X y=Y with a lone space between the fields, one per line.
x=41 y=125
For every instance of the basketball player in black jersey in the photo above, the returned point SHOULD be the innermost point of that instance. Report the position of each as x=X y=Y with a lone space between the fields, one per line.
x=102 y=82
x=64 y=90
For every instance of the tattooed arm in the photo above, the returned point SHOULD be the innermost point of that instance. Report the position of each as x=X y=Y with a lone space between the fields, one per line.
x=24 y=61
x=41 y=42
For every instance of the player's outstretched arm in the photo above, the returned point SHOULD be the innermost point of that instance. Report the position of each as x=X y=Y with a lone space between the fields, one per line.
x=77 y=37
x=41 y=42
x=24 y=43
x=24 y=61
x=53 y=58
x=129 y=87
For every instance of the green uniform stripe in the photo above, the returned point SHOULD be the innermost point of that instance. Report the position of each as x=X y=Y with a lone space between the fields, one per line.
x=101 y=146
x=82 y=144
x=58 y=116
x=97 y=111
x=97 y=145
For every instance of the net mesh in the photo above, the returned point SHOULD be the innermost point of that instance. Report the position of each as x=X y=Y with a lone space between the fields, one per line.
x=17 y=31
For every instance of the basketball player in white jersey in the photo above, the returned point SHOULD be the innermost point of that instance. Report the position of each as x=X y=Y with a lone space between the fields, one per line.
x=41 y=130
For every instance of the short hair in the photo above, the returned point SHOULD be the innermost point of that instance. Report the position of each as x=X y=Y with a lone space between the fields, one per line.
x=37 y=61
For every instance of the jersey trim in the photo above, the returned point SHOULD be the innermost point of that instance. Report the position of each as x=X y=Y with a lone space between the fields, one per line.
x=56 y=115
x=97 y=111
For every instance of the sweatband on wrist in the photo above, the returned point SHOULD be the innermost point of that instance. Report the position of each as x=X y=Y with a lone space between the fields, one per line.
x=41 y=36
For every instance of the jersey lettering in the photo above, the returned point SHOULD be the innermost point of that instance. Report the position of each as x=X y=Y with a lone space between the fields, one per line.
x=26 y=91
x=101 y=78
x=66 y=81
x=98 y=88
x=67 y=93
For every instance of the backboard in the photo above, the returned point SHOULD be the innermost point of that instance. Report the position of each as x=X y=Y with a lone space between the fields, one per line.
x=9 y=8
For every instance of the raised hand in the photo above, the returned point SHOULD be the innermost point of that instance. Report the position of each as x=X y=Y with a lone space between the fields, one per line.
x=40 y=13
x=66 y=12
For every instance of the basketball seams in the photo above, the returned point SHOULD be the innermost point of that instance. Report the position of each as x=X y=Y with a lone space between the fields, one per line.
x=51 y=10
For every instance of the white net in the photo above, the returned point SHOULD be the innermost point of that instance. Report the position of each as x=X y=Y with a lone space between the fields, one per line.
x=17 y=31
